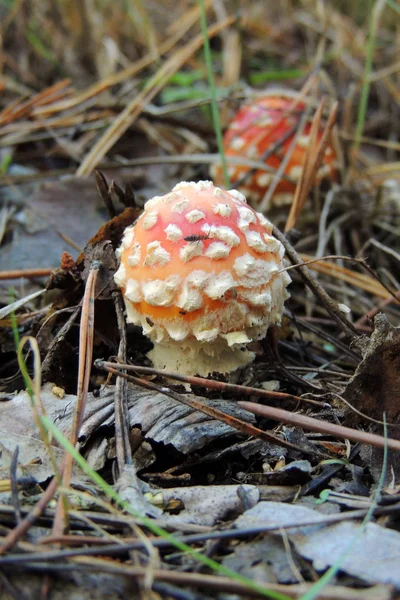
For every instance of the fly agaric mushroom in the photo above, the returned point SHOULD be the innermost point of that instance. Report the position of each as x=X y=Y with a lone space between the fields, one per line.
x=200 y=273
x=255 y=129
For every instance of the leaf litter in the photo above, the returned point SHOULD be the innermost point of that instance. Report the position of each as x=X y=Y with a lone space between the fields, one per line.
x=186 y=453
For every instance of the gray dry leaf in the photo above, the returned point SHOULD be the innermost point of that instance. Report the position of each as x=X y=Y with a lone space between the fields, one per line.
x=17 y=428
x=372 y=553
x=72 y=207
x=161 y=420
x=264 y=561
x=32 y=458
x=207 y=505
x=167 y=421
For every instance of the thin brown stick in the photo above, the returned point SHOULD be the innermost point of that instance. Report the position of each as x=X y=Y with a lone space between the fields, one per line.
x=26 y=273
x=313 y=161
x=86 y=346
x=234 y=422
x=264 y=204
x=32 y=554
x=85 y=364
x=322 y=146
x=24 y=108
x=304 y=183
x=311 y=424
x=211 y=384
x=348 y=328
x=122 y=442
x=20 y=530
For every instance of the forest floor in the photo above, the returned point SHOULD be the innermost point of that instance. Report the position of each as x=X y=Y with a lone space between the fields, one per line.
x=142 y=485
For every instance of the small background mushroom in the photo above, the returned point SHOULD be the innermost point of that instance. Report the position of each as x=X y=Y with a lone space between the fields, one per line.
x=263 y=130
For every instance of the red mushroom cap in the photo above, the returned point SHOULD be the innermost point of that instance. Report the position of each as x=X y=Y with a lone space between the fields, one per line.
x=200 y=272
x=255 y=128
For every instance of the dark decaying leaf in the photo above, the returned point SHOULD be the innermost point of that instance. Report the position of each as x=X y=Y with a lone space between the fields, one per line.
x=375 y=386
x=374 y=390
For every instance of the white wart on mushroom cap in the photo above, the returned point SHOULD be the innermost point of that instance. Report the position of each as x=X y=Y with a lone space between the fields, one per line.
x=199 y=272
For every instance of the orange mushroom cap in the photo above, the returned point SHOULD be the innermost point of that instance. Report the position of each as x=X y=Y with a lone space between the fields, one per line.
x=200 y=272
x=258 y=126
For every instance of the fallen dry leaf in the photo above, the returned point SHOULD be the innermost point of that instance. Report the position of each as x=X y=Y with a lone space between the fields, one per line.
x=375 y=387
x=371 y=553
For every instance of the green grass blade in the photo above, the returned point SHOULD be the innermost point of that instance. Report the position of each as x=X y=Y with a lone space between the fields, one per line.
x=394 y=6
x=363 y=104
x=214 y=104
x=276 y=75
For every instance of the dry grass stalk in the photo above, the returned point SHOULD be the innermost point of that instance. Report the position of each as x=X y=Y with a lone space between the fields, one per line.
x=128 y=116
x=312 y=162
x=363 y=282
x=86 y=335
x=123 y=75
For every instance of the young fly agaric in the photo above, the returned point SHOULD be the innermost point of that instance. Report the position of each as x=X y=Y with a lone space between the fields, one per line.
x=267 y=122
x=200 y=272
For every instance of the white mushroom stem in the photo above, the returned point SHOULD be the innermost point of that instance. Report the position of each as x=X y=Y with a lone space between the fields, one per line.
x=190 y=357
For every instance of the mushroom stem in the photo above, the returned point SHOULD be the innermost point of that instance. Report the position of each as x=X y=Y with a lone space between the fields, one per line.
x=188 y=357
